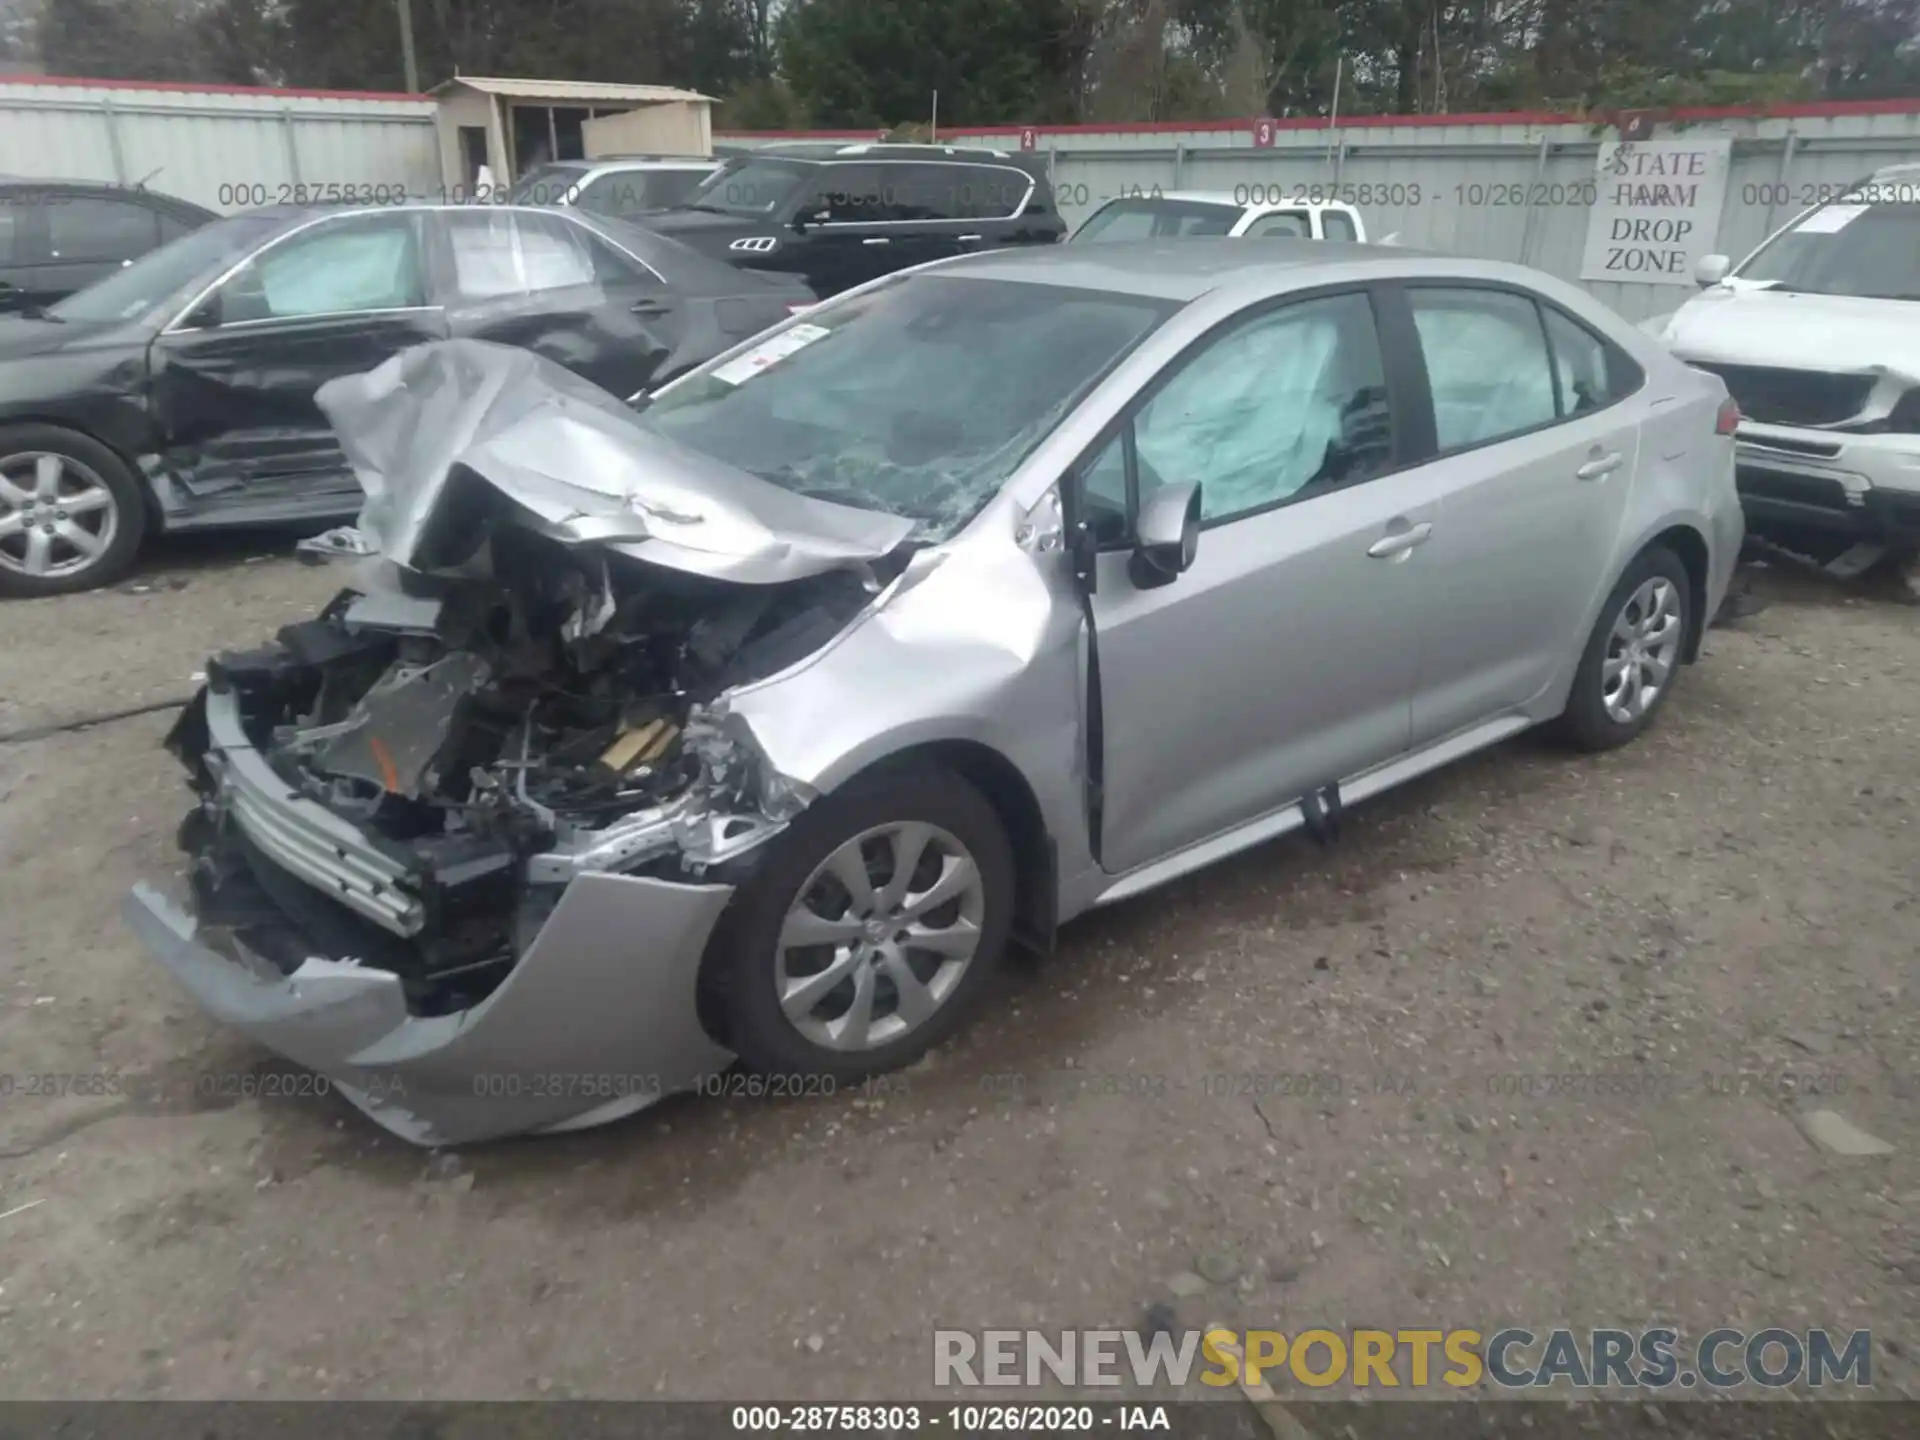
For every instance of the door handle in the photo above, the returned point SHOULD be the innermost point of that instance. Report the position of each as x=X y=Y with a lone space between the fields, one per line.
x=876 y=240
x=650 y=307
x=1600 y=466
x=1387 y=547
x=969 y=239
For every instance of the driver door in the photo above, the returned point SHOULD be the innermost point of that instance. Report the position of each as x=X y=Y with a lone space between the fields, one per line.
x=232 y=384
x=1282 y=660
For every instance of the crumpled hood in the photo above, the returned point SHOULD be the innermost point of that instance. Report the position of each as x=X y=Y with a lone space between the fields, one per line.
x=1797 y=331
x=580 y=465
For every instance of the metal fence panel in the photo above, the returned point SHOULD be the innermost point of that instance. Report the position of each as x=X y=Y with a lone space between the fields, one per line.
x=225 y=149
x=1518 y=190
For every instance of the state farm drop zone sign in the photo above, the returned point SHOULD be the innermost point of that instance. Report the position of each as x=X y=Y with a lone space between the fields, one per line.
x=1656 y=209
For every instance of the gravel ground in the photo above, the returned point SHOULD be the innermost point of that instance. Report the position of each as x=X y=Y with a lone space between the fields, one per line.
x=1718 y=921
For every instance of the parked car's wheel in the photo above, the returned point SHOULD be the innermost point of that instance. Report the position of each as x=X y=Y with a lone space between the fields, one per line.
x=870 y=928
x=1633 y=655
x=71 y=513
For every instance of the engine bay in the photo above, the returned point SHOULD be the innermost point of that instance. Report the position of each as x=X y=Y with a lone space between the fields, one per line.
x=548 y=710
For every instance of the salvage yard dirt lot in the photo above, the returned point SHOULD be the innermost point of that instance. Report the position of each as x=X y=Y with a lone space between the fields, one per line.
x=1527 y=1047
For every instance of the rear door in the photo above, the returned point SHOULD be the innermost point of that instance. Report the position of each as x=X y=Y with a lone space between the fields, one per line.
x=924 y=208
x=232 y=383
x=1534 y=458
x=549 y=284
x=995 y=206
x=848 y=238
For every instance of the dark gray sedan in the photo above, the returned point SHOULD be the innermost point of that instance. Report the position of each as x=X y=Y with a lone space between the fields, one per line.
x=178 y=393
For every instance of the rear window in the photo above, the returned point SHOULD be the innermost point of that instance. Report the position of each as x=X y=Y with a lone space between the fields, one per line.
x=546 y=185
x=1150 y=219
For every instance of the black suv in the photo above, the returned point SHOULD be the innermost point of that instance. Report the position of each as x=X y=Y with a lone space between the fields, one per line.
x=58 y=236
x=839 y=217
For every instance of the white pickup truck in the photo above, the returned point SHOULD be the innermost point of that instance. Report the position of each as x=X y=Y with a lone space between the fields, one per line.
x=1251 y=210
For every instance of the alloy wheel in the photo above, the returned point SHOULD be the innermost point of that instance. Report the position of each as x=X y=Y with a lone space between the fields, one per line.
x=57 y=516
x=1642 y=649
x=879 y=937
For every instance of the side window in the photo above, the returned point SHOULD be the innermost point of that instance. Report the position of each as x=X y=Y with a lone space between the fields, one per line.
x=670 y=187
x=1336 y=225
x=618 y=192
x=1283 y=222
x=848 y=194
x=990 y=192
x=1581 y=365
x=1487 y=363
x=9 y=228
x=365 y=263
x=921 y=192
x=1186 y=220
x=498 y=253
x=1292 y=399
x=82 y=228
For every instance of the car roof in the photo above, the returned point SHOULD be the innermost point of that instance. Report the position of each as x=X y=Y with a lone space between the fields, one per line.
x=1188 y=268
x=817 y=152
x=632 y=162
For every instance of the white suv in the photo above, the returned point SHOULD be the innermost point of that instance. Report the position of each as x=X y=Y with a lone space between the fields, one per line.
x=1250 y=210
x=1817 y=335
x=618 y=185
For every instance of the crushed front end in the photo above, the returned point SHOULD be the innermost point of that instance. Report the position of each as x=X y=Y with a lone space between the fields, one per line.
x=455 y=837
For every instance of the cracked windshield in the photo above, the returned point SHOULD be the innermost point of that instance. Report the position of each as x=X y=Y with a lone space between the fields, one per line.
x=918 y=400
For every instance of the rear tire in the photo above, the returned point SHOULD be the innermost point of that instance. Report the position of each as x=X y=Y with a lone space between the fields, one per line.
x=72 y=515
x=1633 y=655
x=819 y=977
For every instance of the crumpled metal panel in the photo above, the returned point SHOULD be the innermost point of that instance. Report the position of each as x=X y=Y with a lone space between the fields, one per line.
x=401 y=724
x=579 y=463
x=597 y=1020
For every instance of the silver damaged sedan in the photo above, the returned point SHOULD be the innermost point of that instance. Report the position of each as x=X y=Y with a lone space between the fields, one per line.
x=757 y=724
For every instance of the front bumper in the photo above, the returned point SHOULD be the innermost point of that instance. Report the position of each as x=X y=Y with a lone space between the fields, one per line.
x=1861 y=485
x=595 y=1021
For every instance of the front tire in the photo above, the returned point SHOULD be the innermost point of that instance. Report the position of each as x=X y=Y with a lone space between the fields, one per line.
x=72 y=514
x=871 y=929
x=1633 y=655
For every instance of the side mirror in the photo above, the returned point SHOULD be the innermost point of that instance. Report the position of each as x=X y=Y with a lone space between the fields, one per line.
x=1711 y=269
x=811 y=217
x=1166 y=536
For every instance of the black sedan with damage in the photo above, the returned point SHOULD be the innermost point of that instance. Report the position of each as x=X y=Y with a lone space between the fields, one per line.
x=178 y=393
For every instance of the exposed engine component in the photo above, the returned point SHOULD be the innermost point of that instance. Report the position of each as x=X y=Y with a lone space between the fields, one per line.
x=492 y=734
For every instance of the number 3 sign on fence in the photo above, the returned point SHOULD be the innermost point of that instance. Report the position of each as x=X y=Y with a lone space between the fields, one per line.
x=1263 y=134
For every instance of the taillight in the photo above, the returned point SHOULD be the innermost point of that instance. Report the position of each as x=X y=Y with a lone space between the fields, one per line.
x=1728 y=420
